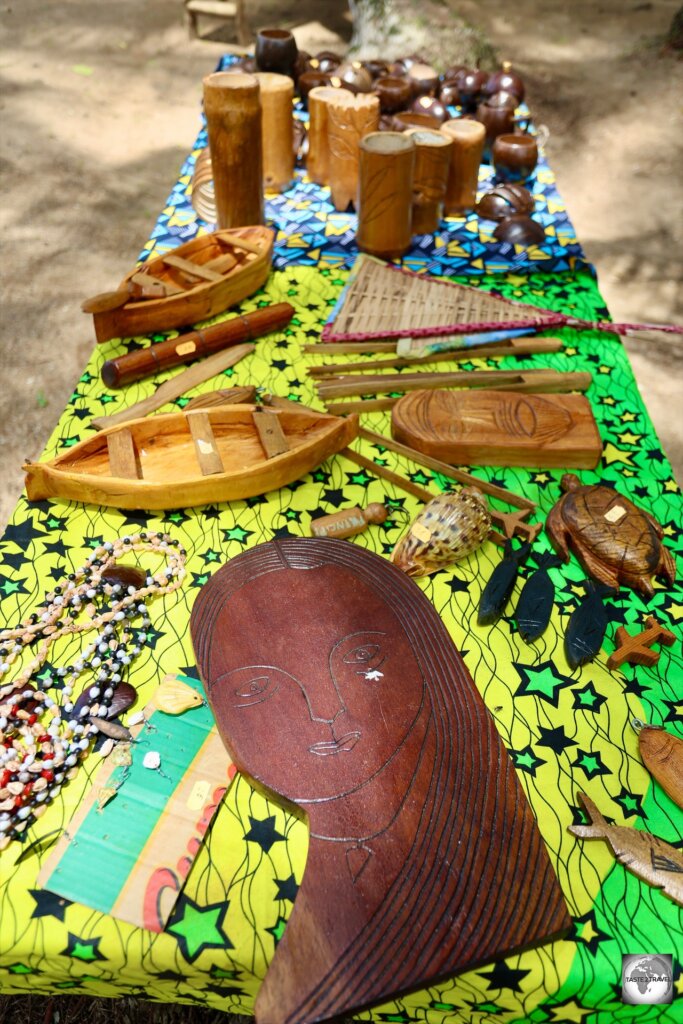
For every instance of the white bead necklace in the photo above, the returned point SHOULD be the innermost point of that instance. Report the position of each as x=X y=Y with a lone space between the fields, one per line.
x=44 y=737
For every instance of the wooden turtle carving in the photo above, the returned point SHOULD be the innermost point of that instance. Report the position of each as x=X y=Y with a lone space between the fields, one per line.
x=615 y=541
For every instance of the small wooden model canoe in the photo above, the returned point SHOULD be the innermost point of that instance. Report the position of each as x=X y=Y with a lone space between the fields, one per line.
x=191 y=458
x=196 y=281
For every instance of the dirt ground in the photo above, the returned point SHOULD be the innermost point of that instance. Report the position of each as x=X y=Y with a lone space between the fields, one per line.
x=100 y=104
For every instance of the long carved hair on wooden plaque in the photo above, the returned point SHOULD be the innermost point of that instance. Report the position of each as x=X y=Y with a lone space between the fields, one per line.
x=335 y=684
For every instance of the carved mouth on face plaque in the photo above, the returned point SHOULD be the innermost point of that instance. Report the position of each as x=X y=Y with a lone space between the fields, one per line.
x=344 y=743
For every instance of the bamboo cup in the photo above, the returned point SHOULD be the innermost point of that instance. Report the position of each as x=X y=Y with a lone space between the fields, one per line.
x=432 y=164
x=349 y=119
x=385 y=194
x=318 y=157
x=233 y=117
x=468 y=146
x=277 y=93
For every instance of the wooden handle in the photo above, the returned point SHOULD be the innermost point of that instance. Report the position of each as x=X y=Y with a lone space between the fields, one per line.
x=186 y=347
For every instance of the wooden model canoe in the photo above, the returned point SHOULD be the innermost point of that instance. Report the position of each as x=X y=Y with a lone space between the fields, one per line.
x=196 y=281
x=191 y=458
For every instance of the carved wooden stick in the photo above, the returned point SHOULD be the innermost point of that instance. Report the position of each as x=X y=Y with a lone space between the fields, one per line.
x=446 y=470
x=432 y=163
x=385 y=194
x=277 y=92
x=233 y=118
x=178 y=385
x=349 y=119
x=530 y=347
x=468 y=145
x=318 y=157
x=388 y=474
x=361 y=384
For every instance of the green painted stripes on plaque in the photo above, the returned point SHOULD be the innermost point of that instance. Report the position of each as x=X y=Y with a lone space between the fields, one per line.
x=116 y=834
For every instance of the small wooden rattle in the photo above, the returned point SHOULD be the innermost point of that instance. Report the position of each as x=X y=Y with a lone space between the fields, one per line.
x=349 y=521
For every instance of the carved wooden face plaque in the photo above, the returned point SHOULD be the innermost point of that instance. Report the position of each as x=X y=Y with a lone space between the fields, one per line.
x=335 y=684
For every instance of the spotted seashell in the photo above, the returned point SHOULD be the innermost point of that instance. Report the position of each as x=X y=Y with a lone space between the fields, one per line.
x=448 y=528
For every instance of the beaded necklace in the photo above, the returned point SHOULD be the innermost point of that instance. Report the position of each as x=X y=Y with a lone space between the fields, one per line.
x=43 y=737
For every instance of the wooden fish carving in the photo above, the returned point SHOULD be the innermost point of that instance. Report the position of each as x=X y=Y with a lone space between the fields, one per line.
x=662 y=755
x=536 y=600
x=498 y=590
x=646 y=856
x=587 y=625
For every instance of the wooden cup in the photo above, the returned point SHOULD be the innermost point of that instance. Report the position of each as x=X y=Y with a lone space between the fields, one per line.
x=233 y=117
x=432 y=164
x=468 y=145
x=277 y=93
x=318 y=156
x=385 y=194
x=349 y=119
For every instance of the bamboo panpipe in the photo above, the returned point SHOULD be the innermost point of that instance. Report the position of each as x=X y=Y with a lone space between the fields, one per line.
x=233 y=119
x=186 y=347
x=359 y=384
x=531 y=347
x=347 y=123
x=447 y=470
x=277 y=92
x=178 y=385
x=385 y=194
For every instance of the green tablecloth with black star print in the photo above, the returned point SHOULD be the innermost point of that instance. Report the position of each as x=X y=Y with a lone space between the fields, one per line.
x=566 y=731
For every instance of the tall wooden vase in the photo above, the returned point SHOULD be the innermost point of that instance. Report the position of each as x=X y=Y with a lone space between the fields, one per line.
x=233 y=116
x=277 y=92
x=349 y=119
x=318 y=158
x=385 y=194
x=432 y=163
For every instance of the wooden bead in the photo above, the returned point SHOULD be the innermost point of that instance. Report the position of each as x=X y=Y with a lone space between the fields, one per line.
x=277 y=92
x=385 y=194
x=233 y=116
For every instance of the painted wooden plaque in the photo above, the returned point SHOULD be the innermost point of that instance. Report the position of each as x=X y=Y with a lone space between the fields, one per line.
x=499 y=428
x=335 y=684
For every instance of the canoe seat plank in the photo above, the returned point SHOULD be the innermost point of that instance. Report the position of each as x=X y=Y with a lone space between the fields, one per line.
x=205 y=446
x=242 y=243
x=153 y=287
x=188 y=267
x=221 y=264
x=270 y=433
x=123 y=460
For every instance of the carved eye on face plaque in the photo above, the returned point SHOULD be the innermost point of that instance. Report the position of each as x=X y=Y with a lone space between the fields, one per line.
x=335 y=684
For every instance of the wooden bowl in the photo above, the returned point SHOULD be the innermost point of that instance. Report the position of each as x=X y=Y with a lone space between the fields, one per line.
x=505 y=201
x=520 y=230
x=394 y=93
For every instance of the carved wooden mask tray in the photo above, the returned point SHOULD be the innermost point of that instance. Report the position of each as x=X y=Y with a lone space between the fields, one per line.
x=335 y=684
x=499 y=428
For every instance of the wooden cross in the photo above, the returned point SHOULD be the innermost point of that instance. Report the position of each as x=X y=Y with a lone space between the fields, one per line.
x=636 y=649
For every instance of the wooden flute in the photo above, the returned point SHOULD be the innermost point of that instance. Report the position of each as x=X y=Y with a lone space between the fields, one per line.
x=165 y=354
